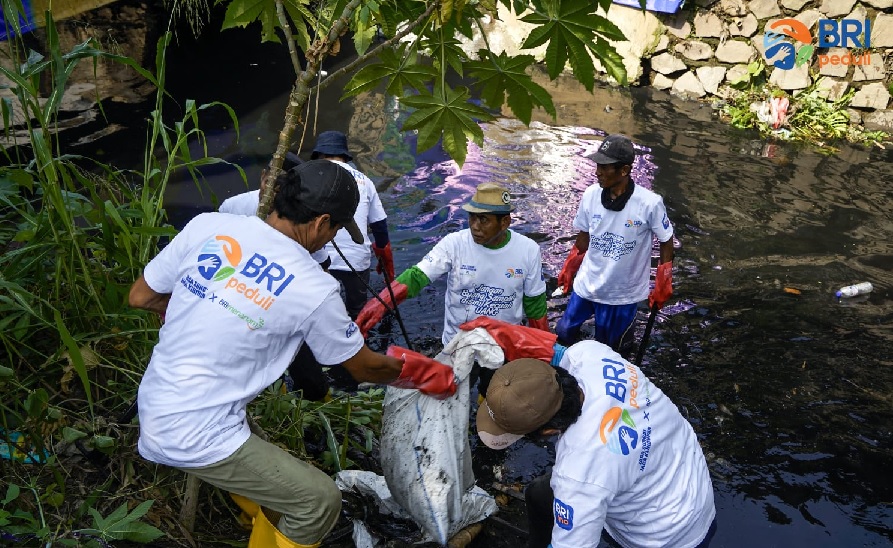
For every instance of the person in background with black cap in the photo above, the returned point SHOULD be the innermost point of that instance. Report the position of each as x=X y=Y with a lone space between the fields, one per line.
x=612 y=252
x=305 y=374
x=332 y=145
x=626 y=459
x=240 y=295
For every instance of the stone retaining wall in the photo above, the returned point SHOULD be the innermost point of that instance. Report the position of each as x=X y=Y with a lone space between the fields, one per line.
x=700 y=50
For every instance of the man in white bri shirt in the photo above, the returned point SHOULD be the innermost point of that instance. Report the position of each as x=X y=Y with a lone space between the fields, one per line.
x=617 y=220
x=305 y=372
x=626 y=460
x=240 y=296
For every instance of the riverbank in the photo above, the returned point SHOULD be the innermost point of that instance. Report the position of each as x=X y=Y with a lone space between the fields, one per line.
x=719 y=52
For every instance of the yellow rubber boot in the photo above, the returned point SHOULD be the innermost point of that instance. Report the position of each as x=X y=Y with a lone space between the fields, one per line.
x=249 y=510
x=265 y=535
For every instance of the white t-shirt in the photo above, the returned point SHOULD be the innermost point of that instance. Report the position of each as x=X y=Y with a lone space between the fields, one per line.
x=244 y=297
x=630 y=463
x=369 y=211
x=484 y=281
x=246 y=204
x=617 y=264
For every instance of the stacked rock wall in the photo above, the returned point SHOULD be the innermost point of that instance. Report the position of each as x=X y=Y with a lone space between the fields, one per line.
x=709 y=45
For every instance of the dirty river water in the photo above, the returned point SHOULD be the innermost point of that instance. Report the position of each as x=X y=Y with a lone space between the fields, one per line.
x=788 y=390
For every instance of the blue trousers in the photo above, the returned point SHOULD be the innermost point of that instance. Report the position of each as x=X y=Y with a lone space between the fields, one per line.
x=612 y=322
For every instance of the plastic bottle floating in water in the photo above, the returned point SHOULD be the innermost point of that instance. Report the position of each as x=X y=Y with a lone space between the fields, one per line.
x=854 y=290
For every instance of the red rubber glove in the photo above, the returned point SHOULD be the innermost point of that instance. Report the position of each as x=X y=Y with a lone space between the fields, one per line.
x=385 y=261
x=429 y=376
x=516 y=341
x=373 y=311
x=570 y=268
x=663 y=286
x=539 y=323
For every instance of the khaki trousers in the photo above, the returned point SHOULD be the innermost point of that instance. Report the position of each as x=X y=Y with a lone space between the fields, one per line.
x=306 y=497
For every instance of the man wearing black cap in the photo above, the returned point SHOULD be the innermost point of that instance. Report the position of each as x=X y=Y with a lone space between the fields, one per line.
x=626 y=459
x=240 y=296
x=332 y=145
x=304 y=373
x=617 y=220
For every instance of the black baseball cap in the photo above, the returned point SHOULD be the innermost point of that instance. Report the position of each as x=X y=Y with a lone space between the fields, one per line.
x=615 y=149
x=326 y=187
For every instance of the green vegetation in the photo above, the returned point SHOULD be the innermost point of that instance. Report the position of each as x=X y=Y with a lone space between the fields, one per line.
x=74 y=234
x=811 y=118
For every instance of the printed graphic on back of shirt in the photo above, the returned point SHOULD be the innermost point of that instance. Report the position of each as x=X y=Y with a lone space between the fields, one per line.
x=617 y=430
x=249 y=287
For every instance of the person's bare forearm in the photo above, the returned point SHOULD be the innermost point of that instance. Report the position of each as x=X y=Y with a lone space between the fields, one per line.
x=369 y=366
x=144 y=297
x=582 y=242
x=666 y=251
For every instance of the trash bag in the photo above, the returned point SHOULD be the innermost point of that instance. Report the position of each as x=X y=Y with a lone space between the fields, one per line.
x=425 y=453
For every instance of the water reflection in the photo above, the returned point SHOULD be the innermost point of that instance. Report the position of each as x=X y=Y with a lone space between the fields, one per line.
x=789 y=391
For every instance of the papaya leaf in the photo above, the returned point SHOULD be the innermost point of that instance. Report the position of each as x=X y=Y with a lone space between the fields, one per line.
x=241 y=13
x=446 y=114
x=500 y=74
x=397 y=68
x=610 y=59
x=447 y=50
x=573 y=30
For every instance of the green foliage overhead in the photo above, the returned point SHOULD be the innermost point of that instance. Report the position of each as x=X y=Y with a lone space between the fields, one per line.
x=400 y=71
x=572 y=32
x=241 y=13
x=447 y=113
x=499 y=75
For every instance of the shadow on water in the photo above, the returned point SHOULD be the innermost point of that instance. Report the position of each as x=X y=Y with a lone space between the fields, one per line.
x=788 y=390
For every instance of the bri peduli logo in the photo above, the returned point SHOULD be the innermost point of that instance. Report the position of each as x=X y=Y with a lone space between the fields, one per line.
x=846 y=33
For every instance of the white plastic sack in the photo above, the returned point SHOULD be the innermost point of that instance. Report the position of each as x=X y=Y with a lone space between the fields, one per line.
x=425 y=454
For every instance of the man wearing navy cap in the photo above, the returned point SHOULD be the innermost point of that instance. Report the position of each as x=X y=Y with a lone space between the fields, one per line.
x=332 y=145
x=617 y=220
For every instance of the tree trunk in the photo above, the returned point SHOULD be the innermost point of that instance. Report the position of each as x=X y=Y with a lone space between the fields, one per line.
x=318 y=51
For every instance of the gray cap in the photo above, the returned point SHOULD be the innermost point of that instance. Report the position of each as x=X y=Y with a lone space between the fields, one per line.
x=615 y=149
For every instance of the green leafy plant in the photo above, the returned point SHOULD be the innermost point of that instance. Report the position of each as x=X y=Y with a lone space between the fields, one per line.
x=121 y=525
x=347 y=424
x=574 y=33
x=811 y=116
x=816 y=119
x=75 y=234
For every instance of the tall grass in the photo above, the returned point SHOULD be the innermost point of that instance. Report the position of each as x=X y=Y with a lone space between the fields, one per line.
x=74 y=235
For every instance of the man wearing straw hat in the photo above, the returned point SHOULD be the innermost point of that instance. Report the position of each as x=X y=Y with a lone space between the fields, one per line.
x=491 y=270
